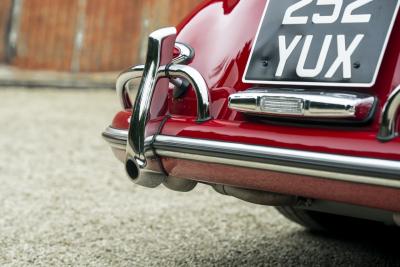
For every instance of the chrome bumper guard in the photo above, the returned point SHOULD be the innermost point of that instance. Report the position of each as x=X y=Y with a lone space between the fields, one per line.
x=159 y=64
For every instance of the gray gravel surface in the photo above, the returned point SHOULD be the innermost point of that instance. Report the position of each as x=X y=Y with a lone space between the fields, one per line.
x=65 y=201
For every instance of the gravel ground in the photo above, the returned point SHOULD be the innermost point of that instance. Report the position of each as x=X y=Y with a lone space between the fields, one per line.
x=65 y=201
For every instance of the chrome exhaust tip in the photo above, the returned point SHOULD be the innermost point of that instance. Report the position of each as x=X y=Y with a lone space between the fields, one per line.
x=141 y=176
x=132 y=169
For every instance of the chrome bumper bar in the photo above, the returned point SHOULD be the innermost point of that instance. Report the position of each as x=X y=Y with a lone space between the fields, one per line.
x=330 y=166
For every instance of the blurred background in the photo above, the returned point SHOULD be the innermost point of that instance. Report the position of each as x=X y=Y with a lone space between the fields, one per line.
x=79 y=36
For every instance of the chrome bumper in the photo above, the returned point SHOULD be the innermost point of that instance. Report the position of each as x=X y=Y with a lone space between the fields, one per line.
x=330 y=166
x=116 y=138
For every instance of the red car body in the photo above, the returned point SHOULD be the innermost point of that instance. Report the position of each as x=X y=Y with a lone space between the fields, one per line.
x=222 y=34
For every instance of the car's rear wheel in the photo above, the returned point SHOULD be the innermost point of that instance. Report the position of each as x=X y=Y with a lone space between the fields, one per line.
x=320 y=221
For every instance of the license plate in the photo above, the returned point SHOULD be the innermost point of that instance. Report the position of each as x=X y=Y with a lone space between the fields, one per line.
x=321 y=42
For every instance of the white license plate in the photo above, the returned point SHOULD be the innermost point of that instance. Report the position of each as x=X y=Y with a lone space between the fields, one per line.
x=321 y=42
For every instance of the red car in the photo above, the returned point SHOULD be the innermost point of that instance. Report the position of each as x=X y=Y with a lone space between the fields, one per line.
x=289 y=103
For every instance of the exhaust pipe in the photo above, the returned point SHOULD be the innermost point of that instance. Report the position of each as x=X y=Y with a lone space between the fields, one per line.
x=256 y=196
x=132 y=169
x=141 y=176
x=152 y=179
x=179 y=184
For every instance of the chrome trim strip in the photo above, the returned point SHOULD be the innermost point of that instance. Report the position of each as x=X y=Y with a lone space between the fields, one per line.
x=389 y=129
x=331 y=166
x=303 y=103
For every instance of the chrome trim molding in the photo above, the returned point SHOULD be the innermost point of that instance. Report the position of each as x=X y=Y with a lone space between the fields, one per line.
x=389 y=129
x=303 y=103
x=330 y=166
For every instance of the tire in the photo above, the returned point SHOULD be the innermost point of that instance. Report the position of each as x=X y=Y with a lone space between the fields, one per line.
x=326 y=222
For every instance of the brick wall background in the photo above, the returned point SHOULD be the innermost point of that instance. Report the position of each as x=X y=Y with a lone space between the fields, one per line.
x=5 y=12
x=83 y=35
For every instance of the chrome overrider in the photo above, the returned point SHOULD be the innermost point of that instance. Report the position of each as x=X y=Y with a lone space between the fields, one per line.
x=160 y=47
x=389 y=128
